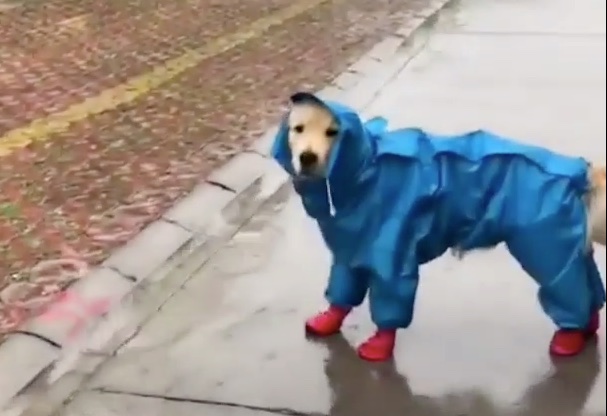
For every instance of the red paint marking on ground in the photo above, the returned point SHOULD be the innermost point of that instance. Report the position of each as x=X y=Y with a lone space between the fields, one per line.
x=71 y=307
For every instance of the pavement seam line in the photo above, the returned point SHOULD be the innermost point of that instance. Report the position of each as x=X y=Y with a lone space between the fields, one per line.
x=37 y=336
x=130 y=278
x=221 y=185
x=276 y=410
x=523 y=34
x=42 y=128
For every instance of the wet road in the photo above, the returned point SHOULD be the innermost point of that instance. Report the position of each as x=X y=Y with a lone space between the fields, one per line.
x=230 y=342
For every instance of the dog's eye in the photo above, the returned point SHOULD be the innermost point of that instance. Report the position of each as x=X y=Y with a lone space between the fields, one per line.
x=331 y=132
x=299 y=128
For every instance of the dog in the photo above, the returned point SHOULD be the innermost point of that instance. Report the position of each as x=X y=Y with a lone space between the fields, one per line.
x=387 y=202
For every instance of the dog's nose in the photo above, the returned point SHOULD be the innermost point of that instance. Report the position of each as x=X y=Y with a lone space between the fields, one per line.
x=308 y=159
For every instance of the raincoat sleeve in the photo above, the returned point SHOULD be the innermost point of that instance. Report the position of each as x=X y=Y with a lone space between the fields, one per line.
x=392 y=301
x=391 y=256
x=554 y=252
x=347 y=286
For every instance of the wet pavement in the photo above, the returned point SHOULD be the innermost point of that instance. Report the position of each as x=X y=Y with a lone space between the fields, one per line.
x=230 y=342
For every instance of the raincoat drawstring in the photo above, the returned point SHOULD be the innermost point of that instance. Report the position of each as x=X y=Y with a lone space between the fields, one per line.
x=332 y=210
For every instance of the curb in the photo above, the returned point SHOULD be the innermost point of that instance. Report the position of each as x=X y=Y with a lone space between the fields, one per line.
x=200 y=223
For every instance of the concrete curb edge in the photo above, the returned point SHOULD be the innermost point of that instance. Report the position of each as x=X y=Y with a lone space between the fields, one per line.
x=232 y=194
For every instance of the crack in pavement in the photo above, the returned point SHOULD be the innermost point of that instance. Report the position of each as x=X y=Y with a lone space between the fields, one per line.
x=37 y=336
x=221 y=185
x=275 y=410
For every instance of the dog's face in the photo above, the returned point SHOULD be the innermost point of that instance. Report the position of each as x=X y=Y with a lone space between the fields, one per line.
x=312 y=133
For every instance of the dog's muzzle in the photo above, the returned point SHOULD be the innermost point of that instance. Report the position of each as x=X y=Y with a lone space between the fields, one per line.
x=308 y=162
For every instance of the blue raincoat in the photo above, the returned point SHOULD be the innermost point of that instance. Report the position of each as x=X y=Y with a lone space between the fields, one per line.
x=394 y=200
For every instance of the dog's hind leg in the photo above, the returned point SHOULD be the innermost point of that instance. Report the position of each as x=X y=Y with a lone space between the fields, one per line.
x=555 y=254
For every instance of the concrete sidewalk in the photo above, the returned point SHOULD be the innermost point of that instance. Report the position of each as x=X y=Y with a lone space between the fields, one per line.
x=230 y=340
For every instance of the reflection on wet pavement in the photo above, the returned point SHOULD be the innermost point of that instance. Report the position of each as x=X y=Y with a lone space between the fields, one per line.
x=363 y=390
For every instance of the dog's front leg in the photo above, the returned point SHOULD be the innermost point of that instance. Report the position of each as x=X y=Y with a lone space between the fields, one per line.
x=392 y=303
x=346 y=289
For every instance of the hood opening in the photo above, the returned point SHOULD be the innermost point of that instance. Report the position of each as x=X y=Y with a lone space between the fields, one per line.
x=350 y=159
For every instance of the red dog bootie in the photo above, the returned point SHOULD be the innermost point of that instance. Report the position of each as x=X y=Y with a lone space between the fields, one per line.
x=569 y=342
x=380 y=347
x=328 y=322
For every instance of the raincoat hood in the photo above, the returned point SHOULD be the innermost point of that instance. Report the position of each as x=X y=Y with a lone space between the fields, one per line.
x=350 y=163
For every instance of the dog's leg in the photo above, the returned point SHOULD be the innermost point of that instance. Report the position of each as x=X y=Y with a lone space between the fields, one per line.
x=346 y=289
x=392 y=306
x=571 y=290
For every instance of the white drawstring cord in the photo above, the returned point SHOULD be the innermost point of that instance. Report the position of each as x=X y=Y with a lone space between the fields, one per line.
x=332 y=210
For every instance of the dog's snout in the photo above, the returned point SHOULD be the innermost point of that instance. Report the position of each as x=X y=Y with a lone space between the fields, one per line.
x=308 y=159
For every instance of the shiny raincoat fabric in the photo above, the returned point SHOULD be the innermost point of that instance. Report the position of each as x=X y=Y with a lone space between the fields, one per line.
x=394 y=200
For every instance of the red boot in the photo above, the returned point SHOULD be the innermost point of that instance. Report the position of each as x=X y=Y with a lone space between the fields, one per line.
x=571 y=342
x=328 y=322
x=380 y=347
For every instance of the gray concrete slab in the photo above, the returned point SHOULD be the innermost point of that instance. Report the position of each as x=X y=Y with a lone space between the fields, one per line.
x=549 y=90
x=231 y=339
